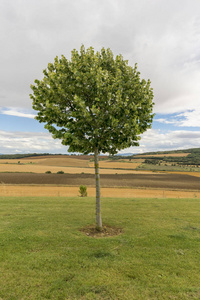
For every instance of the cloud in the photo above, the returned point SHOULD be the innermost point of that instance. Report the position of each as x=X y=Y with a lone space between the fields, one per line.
x=184 y=119
x=162 y=37
x=191 y=118
x=155 y=140
x=29 y=142
x=178 y=139
x=165 y=121
x=152 y=140
x=17 y=113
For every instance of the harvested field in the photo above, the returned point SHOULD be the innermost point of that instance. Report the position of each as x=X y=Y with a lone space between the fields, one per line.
x=64 y=162
x=118 y=178
x=61 y=191
x=82 y=157
x=158 y=181
x=115 y=165
x=165 y=155
x=54 y=163
x=197 y=174
x=49 y=161
x=34 y=168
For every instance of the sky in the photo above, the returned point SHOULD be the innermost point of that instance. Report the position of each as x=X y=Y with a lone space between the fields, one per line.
x=162 y=37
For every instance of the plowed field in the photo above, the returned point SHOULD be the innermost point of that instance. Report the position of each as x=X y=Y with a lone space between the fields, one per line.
x=158 y=181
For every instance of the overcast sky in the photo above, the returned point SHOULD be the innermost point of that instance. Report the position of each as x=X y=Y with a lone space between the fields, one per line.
x=163 y=37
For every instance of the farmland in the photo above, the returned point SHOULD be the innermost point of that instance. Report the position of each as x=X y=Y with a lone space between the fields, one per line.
x=163 y=181
x=46 y=252
x=68 y=164
x=129 y=176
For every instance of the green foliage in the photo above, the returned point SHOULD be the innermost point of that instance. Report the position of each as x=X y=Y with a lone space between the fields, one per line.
x=60 y=172
x=83 y=191
x=152 y=161
x=48 y=172
x=93 y=101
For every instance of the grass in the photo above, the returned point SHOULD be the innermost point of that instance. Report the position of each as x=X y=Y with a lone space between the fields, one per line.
x=43 y=255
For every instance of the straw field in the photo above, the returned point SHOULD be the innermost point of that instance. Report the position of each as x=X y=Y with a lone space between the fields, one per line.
x=70 y=170
x=68 y=164
x=167 y=155
x=64 y=191
x=117 y=164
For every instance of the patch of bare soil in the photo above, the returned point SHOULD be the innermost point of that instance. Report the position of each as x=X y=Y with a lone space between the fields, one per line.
x=153 y=181
x=106 y=231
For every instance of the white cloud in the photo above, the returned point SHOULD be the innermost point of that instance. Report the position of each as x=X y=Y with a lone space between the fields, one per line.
x=191 y=118
x=162 y=36
x=155 y=140
x=17 y=113
x=178 y=139
x=165 y=121
x=152 y=140
x=29 y=142
x=184 y=119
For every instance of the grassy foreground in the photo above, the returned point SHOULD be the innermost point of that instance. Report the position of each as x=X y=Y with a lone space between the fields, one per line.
x=43 y=255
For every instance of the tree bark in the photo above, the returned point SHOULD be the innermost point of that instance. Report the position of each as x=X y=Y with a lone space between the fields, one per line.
x=98 y=199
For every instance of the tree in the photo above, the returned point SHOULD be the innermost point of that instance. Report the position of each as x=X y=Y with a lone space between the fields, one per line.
x=94 y=103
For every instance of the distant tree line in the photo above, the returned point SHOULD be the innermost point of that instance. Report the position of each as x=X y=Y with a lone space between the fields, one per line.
x=191 y=150
x=17 y=156
x=191 y=159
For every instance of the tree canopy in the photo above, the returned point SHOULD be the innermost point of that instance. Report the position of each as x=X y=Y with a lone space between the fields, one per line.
x=93 y=101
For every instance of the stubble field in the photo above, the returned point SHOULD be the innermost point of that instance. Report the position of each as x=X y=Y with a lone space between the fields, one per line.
x=167 y=155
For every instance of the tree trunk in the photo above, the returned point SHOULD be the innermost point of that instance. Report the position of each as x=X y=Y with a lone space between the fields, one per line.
x=98 y=200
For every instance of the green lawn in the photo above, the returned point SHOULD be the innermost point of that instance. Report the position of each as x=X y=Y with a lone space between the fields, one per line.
x=43 y=255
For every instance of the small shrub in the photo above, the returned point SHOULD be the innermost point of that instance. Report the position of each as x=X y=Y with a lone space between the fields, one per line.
x=60 y=172
x=48 y=172
x=83 y=191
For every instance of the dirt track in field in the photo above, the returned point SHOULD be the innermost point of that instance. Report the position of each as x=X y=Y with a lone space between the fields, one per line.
x=152 y=181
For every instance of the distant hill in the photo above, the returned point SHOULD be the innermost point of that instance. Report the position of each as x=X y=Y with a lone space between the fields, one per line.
x=158 y=159
x=17 y=156
x=125 y=154
x=190 y=150
x=190 y=156
x=182 y=157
